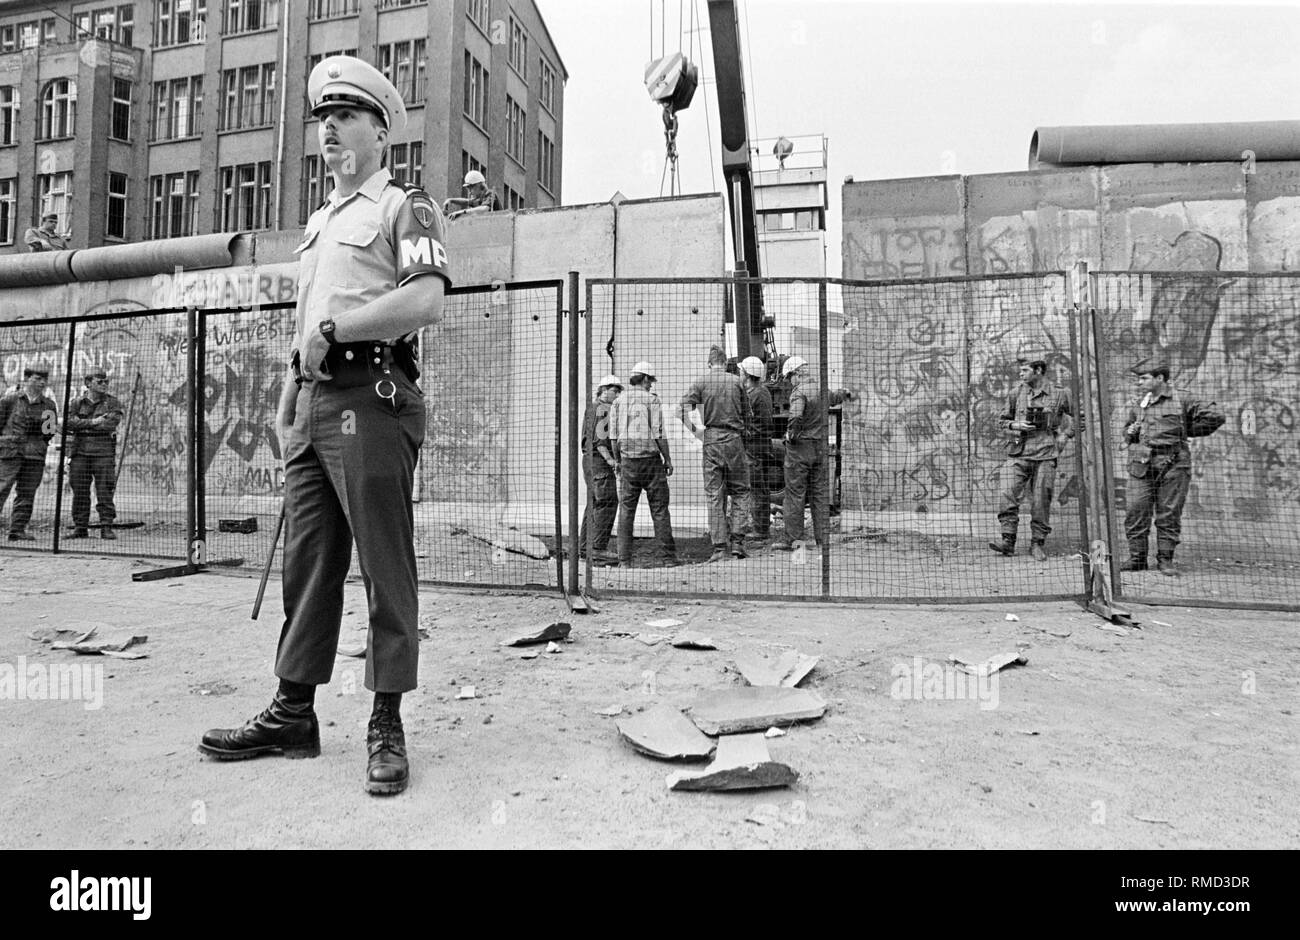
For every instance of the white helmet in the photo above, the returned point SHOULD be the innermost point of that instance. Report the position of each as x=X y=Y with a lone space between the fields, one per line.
x=794 y=362
x=644 y=368
x=753 y=366
x=473 y=178
x=609 y=380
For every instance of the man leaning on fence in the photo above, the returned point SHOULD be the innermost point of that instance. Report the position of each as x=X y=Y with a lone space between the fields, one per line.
x=636 y=431
x=1160 y=463
x=806 y=437
x=372 y=271
x=92 y=421
x=724 y=421
x=28 y=420
x=599 y=468
x=1038 y=418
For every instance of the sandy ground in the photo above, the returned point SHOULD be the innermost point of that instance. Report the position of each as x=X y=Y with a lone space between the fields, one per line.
x=1182 y=734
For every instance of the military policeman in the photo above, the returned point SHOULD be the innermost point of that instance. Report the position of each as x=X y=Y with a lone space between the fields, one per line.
x=1039 y=419
x=351 y=420
x=93 y=418
x=600 y=469
x=1160 y=463
x=725 y=414
x=805 y=468
x=28 y=419
x=758 y=446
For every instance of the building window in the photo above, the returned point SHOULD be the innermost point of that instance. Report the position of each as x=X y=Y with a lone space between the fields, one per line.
x=406 y=163
x=82 y=25
x=247 y=16
x=316 y=186
x=174 y=205
x=59 y=109
x=113 y=24
x=386 y=4
x=121 y=122
x=245 y=197
x=518 y=49
x=116 y=223
x=55 y=190
x=177 y=22
x=8 y=115
x=477 y=10
x=467 y=163
x=403 y=64
x=476 y=91
x=247 y=97
x=177 y=107
x=29 y=36
x=546 y=85
x=328 y=9
x=516 y=121
x=8 y=198
x=8 y=41
x=514 y=200
x=546 y=162
x=49 y=29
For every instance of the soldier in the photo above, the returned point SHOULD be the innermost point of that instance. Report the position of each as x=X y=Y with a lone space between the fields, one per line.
x=805 y=456
x=43 y=237
x=725 y=413
x=28 y=419
x=636 y=432
x=351 y=421
x=758 y=446
x=1039 y=417
x=93 y=419
x=1160 y=462
x=600 y=470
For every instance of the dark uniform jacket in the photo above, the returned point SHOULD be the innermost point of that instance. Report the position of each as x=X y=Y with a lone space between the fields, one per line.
x=759 y=442
x=808 y=411
x=26 y=427
x=88 y=439
x=724 y=406
x=595 y=435
x=1048 y=409
x=1157 y=434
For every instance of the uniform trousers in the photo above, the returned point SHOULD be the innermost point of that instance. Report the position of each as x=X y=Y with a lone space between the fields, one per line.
x=759 y=494
x=1036 y=476
x=602 y=488
x=83 y=469
x=726 y=478
x=23 y=476
x=806 y=482
x=349 y=474
x=644 y=474
x=1160 y=492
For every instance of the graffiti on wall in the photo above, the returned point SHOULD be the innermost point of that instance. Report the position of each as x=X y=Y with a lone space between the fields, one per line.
x=921 y=247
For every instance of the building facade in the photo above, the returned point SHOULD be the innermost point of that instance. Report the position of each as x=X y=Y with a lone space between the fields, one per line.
x=166 y=118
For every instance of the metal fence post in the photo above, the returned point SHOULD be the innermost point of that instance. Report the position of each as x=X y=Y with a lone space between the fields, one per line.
x=823 y=347
x=573 y=434
x=63 y=436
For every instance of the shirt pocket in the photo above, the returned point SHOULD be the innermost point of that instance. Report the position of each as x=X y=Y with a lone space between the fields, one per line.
x=353 y=265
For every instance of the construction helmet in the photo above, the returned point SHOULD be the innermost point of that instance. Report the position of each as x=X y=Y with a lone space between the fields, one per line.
x=644 y=368
x=609 y=380
x=752 y=365
x=794 y=362
x=473 y=178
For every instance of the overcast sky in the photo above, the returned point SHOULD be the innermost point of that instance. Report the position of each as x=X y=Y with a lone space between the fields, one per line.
x=911 y=89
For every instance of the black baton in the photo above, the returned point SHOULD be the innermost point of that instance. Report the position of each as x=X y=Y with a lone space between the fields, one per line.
x=270 y=557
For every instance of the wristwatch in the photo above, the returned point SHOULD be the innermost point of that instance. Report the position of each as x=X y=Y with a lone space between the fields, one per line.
x=327 y=331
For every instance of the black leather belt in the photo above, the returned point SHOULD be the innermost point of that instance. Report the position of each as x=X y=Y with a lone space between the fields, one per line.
x=355 y=364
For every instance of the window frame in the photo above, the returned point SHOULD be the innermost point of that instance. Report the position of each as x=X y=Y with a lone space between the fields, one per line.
x=126 y=109
x=121 y=200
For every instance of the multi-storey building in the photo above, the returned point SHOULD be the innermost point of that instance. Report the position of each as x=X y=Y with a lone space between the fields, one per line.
x=163 y=118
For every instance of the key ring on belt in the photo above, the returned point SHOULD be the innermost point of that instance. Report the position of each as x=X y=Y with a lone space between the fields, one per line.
x=391 y=394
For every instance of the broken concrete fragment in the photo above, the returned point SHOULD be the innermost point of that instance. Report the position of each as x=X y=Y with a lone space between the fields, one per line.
x=502 y=537
x=553 y=648
x=531 y=654
x=664 y=623
x=553 y=631
x=356 y=650
x=125 y=654
x=650 y=639
x=102 y=643
x=773 y=733
x=1012 y=617
x=466 y=692
x=663 y=731
x=754 y=708
x=613 y=711
x=990 y=665
x=761 y=668
x=64 y=635
x=693 y=640
x=742 y=763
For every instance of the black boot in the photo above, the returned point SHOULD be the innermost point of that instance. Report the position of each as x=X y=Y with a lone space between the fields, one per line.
x=387 y=771
x=1165 y=562
x=289 y=727
x=1135 y=563
x=1005 y=547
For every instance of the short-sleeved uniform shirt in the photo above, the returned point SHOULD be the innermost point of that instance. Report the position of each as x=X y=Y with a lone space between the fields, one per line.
x=636 y=421
x=360 y=247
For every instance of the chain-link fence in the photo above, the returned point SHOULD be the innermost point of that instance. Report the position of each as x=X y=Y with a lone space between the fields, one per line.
x=1226 y=503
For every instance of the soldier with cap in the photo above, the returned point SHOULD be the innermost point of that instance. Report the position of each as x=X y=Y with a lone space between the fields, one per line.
x=758 y=446
x=600 y=470
x=725 y=416
x=477 y=196
x=806 y=438
x=351 y=420
x=93 y=418
x=1039 y=419
x=1158 y=427
x=636 y=437
x=44 y=237
x=28 y=420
